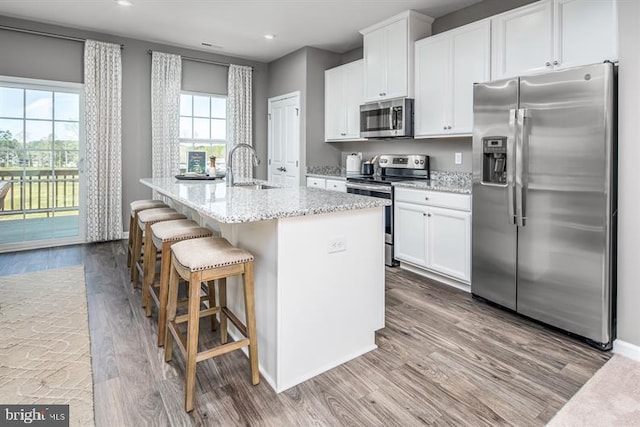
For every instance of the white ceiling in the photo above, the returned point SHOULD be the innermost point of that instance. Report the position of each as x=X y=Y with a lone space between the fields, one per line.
x=236 y=26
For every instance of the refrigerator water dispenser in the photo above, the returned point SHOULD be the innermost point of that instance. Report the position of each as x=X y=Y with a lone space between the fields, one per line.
x=494 y=160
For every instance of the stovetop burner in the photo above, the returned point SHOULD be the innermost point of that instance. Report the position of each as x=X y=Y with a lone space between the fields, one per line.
x=394 y=168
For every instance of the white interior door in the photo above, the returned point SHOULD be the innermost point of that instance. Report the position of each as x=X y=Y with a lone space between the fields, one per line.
x=284 y=139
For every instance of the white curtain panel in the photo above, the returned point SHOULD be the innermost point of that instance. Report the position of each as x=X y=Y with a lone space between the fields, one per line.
x=166 y=76
x=103 y=102
x=239 y=107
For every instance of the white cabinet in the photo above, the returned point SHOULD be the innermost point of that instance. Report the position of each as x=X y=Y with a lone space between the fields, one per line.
x=447 y=65
x=388 y=55
x=327 y=184
x=553 y=34
x=433 y=230
x=343 y=94
x=586 y=32
x=336 y=185
x=316 y=182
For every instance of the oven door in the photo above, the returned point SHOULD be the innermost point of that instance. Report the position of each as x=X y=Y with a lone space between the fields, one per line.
x=382 y=192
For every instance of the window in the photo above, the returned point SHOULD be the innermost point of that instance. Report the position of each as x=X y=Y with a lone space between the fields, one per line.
x=40 y=153
x=203 y=126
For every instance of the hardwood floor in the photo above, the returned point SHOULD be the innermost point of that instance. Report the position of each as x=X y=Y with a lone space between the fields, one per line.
x=443 y=359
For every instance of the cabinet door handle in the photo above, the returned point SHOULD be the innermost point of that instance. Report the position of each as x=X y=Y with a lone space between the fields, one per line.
x=555 y=62
x=448 y=127
x=429 y=215
x=424 y=214
x=444 y=128
x=426 y=198
x=548 y=64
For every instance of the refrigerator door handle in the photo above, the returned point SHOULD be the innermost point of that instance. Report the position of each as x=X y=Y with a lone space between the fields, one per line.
x=511 y=165
x=522 y=148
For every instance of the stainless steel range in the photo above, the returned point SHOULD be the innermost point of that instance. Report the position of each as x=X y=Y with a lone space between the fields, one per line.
x=392 y=168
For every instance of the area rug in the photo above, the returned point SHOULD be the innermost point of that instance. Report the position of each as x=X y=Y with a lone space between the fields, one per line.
x=45 y=355
x=610 y=398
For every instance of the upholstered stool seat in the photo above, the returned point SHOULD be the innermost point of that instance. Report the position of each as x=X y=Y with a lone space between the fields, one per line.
x=146 y=219
x=207 y=260
x=137 y=206
x=163 y=235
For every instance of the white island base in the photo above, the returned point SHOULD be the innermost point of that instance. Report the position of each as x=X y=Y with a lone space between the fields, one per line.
x=319 y=289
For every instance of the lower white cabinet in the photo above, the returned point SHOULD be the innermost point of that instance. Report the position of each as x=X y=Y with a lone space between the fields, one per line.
x=433 y=230
x=327 y=184
x=316 y=182
x=336 y=185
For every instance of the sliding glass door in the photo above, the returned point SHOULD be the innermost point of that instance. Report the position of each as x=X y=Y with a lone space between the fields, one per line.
x=41 y=152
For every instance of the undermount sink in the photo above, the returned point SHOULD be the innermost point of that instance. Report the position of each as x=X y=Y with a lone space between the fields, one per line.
x=254 y=186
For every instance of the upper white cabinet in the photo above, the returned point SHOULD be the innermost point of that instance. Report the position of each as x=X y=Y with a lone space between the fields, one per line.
x=553 y=34
x=388 y=55
x=522 y=42
x=447 y=65
x=343 y=96
x=586 y=32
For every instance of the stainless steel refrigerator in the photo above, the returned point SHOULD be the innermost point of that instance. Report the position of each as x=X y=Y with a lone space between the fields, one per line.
x=544 y=198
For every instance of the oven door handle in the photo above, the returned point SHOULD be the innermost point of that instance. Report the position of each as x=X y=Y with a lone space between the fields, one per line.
x=378 y=188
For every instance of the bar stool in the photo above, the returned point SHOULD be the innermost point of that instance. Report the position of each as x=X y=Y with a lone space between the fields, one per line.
x=206 y=260
x=146 y=219
x=163 y=235
x=137 y=206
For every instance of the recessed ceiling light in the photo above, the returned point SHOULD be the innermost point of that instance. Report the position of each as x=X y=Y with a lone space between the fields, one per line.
x=124 y=2
x=269 y=36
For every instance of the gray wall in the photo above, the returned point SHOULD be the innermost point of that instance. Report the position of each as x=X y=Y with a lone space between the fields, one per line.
x=303 y=70
x=628 y=173
x=475 y=12
x=32 y=56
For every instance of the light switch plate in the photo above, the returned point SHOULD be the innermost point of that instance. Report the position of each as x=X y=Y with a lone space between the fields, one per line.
x=458 y=158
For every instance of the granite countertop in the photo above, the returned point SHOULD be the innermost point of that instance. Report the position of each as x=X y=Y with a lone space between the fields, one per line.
x=233 y=205
x=340 y=176
x=451 y=182
x=433 y=185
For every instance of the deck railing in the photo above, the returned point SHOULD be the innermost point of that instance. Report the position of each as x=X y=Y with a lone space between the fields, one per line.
x=40 y=191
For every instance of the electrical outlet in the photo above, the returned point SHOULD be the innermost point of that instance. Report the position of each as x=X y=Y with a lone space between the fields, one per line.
x=337 y=244
x=458 y=158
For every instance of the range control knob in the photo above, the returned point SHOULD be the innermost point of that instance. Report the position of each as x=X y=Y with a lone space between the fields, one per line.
x=416 y=161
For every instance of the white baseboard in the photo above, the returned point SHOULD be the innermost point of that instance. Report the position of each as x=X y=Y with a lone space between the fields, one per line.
x=629 y=350
x=435 y=276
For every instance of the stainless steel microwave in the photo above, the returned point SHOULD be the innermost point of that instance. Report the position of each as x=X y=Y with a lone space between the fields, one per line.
x=387 y=119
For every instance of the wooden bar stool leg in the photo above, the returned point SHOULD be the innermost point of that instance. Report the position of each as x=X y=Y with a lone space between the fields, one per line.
x=149 y=270
x=222 y=296
x=250 y=310
x=137 y=251
x=165 y=270
x=172 y=306
x=130 y=243
x=211 y=291
x=193 y=329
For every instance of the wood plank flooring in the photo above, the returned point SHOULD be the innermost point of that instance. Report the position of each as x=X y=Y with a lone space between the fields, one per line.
x=442 y=359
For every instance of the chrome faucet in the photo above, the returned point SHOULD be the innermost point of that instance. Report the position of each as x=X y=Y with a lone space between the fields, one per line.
x=256 y=161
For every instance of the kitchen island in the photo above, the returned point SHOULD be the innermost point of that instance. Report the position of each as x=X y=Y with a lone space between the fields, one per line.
x=319 y=269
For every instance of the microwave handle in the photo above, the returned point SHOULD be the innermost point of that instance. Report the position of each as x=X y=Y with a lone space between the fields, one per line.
x=394 y=118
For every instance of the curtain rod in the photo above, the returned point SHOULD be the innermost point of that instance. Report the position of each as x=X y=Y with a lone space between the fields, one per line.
x=42 y=33
x=205 y=61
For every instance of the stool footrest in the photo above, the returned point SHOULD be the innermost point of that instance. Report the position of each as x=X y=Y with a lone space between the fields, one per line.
x=181 y=340
x=238 y=324
x=203 y=313
x=225 y=348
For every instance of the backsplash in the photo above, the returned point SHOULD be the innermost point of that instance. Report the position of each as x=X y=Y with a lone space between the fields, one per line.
x=324 y=170
x=456 y=177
